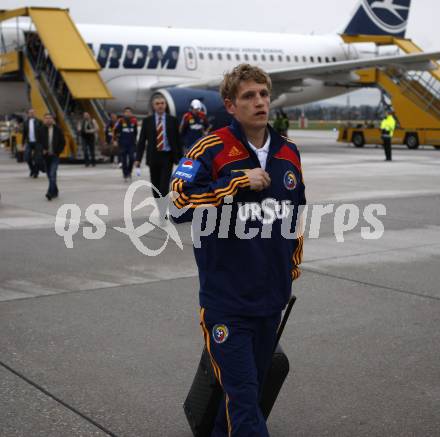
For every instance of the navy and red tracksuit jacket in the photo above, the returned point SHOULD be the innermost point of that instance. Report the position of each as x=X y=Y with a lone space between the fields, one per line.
x=254 y=276
x=192 y=127
x=126 y=132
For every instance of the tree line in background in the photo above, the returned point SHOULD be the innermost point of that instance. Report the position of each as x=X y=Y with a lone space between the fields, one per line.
x=334 y=112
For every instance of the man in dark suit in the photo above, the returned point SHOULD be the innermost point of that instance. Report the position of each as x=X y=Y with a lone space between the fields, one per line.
x=160 y=132
x=52 y=140
x=33 y=155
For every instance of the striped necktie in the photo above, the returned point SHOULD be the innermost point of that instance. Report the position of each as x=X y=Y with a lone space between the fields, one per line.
x=159 y=132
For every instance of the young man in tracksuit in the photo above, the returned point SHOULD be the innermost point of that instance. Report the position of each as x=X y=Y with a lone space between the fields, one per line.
x=251 y=174
x=126 y=132
x=194 y=125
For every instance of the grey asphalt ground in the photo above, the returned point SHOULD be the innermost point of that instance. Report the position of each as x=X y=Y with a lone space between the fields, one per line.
x=100 y=339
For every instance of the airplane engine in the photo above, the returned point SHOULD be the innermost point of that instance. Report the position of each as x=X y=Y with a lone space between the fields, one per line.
x=179 y=99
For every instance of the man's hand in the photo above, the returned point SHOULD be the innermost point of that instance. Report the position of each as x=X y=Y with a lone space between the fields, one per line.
x=258 y=178
x=137 y=164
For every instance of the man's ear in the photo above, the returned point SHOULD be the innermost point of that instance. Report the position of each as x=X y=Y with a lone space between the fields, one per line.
x=229 y=105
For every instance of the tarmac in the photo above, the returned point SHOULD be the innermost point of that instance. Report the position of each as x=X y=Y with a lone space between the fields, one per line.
x=100 y=339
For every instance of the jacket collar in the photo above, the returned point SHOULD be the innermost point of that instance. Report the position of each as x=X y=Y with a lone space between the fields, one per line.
x=276 y=140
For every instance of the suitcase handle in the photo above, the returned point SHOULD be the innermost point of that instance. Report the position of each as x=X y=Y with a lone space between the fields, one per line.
x=284 y=321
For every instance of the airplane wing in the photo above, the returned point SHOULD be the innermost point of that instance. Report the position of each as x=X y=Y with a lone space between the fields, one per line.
x=342 y=70
x=418 y=61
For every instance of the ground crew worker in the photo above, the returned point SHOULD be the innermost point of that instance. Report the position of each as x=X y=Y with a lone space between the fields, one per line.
x=278 y=123
x=245 y=282
x=285 y=124
x=126 y=132
x=387 y=127
x=194 y=125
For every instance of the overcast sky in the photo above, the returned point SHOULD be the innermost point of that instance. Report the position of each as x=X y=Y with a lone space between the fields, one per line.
x=294 y=16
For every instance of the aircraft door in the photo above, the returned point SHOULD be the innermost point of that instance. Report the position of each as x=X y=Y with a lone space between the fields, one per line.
x=190 y=58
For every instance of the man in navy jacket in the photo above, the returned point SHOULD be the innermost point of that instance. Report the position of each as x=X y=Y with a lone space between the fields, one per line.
x=126 y=132
x=252 y=176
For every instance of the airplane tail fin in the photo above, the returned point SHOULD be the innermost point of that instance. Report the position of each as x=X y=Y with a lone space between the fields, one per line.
x=379 y=17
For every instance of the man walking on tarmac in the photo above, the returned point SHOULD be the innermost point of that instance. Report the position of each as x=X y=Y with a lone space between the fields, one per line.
x=126 y=132
x=245 y=273
x=387 y=127
x=89 y=131
x=194 y=125
x=52 y=140
x=33 y=152
x=160 y=139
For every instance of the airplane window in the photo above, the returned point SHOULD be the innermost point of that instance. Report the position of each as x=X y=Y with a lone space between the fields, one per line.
x=175 y=54
x=219 y=56
x=312 y=59
x=254 y=57
x=304 y=59
x=296 y=58
x=190 y=55
x=271 y=58
x=210 y=56
x=288 y=58
x=280 y=58
x=319 y=59
x=129 y=54
x=201 y=56
x=263 y=57
x=334 y=59
x=160 y=55
x=114 y=53
x=246 y=57
x=103 y=53
x=237 y=56
x=327 y=59
x=228 y=56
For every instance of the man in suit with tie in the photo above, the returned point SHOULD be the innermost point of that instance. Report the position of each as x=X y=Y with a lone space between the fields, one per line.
x=52 y=140
x=32 y=148
x=160 y=132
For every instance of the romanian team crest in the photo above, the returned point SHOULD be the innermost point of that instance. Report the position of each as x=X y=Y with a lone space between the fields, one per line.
x=220 y=333
x=290 y=180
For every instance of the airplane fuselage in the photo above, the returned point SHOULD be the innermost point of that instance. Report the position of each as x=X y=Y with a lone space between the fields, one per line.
x=136 y=59
x=133 y=59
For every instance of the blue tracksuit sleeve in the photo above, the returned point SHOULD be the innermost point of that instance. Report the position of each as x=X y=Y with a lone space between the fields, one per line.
x=299 y=242
x=194 y=181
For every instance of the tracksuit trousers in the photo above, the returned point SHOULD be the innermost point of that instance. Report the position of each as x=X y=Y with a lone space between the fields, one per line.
x=241 y=353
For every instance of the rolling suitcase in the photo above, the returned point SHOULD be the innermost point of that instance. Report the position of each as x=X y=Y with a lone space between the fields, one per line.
x=205 y=394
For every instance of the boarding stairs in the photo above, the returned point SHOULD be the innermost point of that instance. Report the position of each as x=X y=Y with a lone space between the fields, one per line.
x=60 y=70
x=415 y=95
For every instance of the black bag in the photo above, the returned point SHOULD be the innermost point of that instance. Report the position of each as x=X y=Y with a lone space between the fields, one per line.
x=40 y=163
x=19 y=156
x=204 y=397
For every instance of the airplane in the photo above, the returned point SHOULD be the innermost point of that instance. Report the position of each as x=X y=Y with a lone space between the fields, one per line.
x=183 y=64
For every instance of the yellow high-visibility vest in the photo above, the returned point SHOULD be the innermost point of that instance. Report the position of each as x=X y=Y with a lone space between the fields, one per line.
x=388 y=124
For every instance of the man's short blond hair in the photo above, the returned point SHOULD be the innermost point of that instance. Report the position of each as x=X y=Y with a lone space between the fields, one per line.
x=241 y=73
